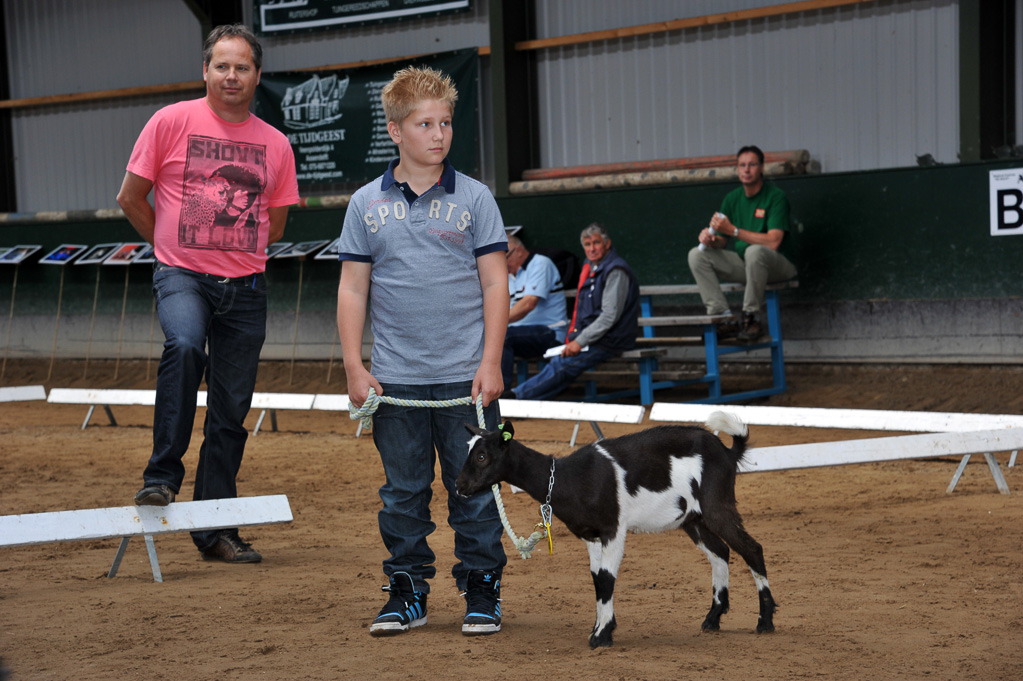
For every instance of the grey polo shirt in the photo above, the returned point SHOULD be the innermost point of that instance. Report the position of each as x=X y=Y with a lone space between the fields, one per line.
x=426 y=304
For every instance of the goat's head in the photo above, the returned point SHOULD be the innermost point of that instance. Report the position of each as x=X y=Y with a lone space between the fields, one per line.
x=487 y=461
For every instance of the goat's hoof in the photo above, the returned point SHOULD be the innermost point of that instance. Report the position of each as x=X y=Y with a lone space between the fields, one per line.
x=604 y=637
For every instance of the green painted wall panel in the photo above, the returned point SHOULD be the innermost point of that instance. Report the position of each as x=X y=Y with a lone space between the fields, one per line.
x=904 y=234
x=899 y=234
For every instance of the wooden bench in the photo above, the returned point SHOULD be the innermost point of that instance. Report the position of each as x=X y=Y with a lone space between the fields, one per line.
x=653 y=348
x=946 y=424
x=133 y=521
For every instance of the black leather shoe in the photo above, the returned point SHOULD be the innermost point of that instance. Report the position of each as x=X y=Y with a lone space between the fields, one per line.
x=751 y=331
x=231 y=549
x=728 y=330
x=154 y=495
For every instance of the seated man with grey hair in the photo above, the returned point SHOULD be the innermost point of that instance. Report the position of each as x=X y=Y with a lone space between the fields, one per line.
x=605 y=322
x=537 y=311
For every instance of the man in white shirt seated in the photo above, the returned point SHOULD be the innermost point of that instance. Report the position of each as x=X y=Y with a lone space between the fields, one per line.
x=537 y=316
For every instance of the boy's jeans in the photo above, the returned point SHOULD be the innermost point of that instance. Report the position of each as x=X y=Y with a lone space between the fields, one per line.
x=409 y=440
x=195 y=310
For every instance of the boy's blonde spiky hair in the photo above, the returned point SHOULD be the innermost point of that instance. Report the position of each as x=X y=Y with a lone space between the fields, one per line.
x=412 y=85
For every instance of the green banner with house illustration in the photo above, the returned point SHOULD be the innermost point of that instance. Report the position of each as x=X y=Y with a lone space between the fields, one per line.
x=336 y=123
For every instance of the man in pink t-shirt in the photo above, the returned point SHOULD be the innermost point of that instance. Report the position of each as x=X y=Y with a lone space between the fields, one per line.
x=222 y=181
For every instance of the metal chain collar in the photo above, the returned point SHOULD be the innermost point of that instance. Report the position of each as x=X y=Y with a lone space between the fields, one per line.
x=545 y=509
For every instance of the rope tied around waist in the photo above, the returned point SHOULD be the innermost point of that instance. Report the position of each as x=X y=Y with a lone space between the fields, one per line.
x=365 y=413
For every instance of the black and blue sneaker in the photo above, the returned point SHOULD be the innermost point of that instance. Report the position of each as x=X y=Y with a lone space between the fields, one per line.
x=405 y=609
x=482 y=603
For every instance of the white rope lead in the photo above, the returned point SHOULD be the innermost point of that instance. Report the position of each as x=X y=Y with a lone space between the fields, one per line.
x=365 y=413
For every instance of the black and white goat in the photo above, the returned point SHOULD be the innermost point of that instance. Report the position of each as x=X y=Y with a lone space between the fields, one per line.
x=658 y=479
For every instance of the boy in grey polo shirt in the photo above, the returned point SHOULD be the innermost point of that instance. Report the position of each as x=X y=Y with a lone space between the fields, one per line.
x=425 y=245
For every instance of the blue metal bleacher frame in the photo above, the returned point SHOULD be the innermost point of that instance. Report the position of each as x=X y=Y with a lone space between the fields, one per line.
x=647 y=358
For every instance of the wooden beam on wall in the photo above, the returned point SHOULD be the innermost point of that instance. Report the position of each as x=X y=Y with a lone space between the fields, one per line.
x=185 y=86
x=96 y=95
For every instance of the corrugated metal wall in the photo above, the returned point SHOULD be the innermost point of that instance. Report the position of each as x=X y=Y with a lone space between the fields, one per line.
x=864 y=86
x=73 y=156
x=559 y=17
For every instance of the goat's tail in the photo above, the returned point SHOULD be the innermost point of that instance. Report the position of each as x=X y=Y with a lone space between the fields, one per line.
x=720 y=421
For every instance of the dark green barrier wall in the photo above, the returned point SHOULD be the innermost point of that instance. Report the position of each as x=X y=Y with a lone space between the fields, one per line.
x=915 y=233
x=900 y=234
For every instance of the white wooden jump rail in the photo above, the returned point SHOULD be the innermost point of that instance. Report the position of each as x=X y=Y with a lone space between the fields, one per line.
x=950 y=434
x=106 y=398
x=271 y=402
x=22 y=393
x=574 y=411
x=565 y=411
x=146 y=521
x=533 y=409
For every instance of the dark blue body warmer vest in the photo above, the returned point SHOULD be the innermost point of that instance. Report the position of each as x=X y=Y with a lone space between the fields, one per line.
x=622 y=335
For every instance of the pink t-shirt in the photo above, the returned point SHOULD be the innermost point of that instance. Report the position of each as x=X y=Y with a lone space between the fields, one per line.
x=214 y=182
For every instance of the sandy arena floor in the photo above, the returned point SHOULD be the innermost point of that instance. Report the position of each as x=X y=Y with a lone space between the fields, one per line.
x=878 y=573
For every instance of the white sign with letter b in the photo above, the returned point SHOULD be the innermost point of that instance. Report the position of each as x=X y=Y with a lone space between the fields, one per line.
x=1006 y=188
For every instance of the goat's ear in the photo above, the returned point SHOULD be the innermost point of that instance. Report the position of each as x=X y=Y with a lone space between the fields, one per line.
x=508 y=430
x=475 y=430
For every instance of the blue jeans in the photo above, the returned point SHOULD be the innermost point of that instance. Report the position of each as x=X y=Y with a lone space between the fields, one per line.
x=409 y=440
x=559 y=373
x=524 y=341
x=198 y=312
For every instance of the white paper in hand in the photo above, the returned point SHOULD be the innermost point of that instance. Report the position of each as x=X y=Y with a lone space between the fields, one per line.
x=556 y=351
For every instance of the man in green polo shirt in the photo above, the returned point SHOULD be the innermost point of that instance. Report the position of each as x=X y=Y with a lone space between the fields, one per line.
x=748 y=241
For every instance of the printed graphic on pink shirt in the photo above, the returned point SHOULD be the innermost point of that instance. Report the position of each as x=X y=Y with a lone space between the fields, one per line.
x=222 y=189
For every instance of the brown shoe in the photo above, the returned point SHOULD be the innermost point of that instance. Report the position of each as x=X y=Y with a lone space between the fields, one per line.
x=231 y=549
x=751 y=331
